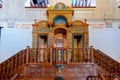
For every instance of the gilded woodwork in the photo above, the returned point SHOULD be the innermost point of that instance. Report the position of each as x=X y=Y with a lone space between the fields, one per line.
x=79 y=27
x=48 y=27
x=65 y=11
x=41 y=27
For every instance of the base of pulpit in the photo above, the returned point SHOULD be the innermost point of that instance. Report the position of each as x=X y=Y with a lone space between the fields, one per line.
x=60 y=67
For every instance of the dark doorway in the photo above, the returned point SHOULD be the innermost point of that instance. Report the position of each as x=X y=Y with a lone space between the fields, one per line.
x=78 y=41
x=43 y=41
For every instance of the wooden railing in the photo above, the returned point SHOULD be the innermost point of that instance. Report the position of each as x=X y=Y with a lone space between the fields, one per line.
x=13 y=63
x=94 y=78
x=107 y=63
x=98 y=77
x=44 y=55
x=41 y=55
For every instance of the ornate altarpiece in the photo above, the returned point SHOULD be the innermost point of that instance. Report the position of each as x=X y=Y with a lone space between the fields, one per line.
x=60 y=32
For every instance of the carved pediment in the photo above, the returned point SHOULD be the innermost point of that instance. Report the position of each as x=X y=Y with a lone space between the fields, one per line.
x=79 y=23
x=42 y=23
x=60 y=9
x=60 y=6
x=76 y=29
x=79 y=26
x=41 y=26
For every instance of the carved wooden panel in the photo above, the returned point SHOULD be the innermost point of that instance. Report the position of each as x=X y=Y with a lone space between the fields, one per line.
x=42 y=26
x=77 y=71
x=39 y=71
x=77 y=29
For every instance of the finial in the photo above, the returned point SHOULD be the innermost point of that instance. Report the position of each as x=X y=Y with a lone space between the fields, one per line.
x=35 y=21
x=85 y=20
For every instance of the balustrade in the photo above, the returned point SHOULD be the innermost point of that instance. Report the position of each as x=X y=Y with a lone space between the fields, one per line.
x=71 y=55
x=13 y=63
x=94 y=78
x=107 y=63
x=42 y=55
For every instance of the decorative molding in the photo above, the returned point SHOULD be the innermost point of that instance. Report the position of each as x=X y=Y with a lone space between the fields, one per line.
x=11 y=22
x=108 y=23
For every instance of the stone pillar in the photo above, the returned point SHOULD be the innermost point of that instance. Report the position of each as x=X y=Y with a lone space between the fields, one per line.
x=107 y=9
x=20 y=9
x=114 y=10
x=100 y=8
x=13 y=10
x=110 y=9
x=9 y=12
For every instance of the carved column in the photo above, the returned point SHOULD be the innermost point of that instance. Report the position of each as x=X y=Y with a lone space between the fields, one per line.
x=50 y=43
x=50 y=39
x=69 y=43
x=27 y=54
x=34 y=36
x=86 y=37
x=34 y=40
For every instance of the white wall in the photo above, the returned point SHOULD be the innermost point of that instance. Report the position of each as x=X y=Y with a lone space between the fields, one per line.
x=15 y=39
x=106 y=39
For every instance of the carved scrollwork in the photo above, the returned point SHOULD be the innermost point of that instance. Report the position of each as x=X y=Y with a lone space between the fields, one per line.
x=76 y=29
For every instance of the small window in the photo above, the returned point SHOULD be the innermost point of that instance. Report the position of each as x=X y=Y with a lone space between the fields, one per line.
x=118 y=3
x=83 y=3
x=36 y=3
x=1 y=3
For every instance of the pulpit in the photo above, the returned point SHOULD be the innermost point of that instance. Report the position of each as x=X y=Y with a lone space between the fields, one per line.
x=59 y=55
x=59 y=38
x=59 y=49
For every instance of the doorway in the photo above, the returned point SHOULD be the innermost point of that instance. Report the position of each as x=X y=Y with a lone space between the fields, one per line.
x=42 y=41
x=78 y=41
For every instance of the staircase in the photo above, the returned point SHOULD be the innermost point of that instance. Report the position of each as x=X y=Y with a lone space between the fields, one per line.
x=87 y=64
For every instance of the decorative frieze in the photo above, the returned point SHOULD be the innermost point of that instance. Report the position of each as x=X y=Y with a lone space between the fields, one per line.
x=79 y=29
x=84 y=13
x=39 y=13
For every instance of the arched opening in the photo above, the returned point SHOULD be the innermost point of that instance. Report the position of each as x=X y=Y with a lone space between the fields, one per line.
x=118 y=2
x=60 y=30
x=60 y=20
x=60 y=48
x=60 y=37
